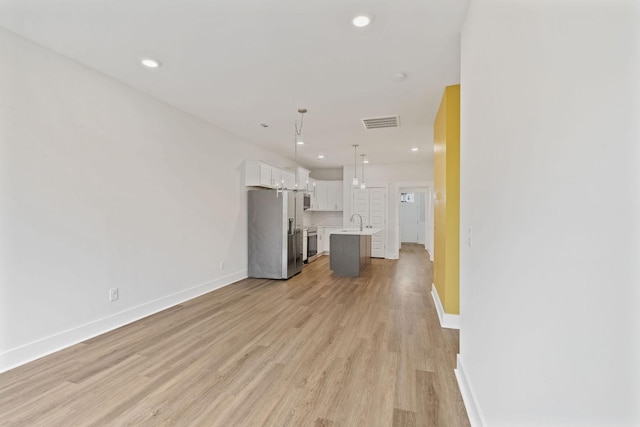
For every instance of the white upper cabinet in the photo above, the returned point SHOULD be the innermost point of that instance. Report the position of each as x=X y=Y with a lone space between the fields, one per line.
x=325 y=195
x=303 y=179
x=265 y=175
x=258 y=174
x=276 y=177
x=289 y=179
x=262 y=174
x=312 y=191
x=328 y=196
x=334 y=197
x=322 y=196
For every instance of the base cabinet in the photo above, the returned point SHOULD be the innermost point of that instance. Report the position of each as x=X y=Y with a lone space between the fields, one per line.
x=324 y=238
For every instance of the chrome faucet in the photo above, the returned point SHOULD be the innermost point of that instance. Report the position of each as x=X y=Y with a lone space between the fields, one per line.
x=359 y=216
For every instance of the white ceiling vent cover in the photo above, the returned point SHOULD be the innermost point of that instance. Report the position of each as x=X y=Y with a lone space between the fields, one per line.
x=381 y=122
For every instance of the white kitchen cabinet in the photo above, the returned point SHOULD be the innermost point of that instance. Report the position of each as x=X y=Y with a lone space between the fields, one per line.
x=276 y=177
x=303 y=179
x=322 y=195
x=265 y=174
x=305 y=235
x=289 y=179
x=312 y=193
x=262 y=174
x=327 y=196
x=321 y=240
x=334 y=195
x=258 y=174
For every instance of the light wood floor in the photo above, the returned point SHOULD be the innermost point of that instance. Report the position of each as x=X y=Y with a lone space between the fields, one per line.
x=315 y=350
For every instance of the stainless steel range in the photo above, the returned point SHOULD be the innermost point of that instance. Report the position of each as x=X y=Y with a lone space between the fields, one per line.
x=312 y=244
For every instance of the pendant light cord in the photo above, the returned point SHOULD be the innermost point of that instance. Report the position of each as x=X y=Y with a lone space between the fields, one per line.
x=355 y=163
x=298 y=132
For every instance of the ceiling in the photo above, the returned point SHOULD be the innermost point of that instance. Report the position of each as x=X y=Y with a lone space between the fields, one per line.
x=237 y=64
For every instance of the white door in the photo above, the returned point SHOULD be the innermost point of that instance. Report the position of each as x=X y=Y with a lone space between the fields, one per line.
x=370 y=203
x=361 y=206
x=409 y=221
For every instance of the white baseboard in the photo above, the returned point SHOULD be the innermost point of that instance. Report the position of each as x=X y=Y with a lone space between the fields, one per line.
x=26 y=353
x=449 y=321
x=428 y=252
x=469 y=397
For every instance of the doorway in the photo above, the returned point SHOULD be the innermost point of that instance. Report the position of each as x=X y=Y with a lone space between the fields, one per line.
x=415 y=215
x=412 y=217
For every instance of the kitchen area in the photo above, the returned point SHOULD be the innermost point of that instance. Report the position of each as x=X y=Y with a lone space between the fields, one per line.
x=312 y=218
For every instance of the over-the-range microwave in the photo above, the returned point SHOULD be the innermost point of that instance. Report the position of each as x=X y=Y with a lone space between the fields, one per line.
x=306 y=202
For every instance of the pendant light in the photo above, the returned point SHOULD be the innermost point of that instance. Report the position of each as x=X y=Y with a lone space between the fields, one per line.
x=355 y=164
x=362 y=184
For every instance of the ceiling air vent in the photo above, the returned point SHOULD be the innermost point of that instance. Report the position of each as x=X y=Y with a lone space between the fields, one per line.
x=381 y=122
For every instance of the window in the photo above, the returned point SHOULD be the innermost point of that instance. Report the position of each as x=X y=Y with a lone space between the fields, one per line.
x=407 y=198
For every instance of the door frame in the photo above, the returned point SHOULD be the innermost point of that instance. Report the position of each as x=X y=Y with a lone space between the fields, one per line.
x=407 y=186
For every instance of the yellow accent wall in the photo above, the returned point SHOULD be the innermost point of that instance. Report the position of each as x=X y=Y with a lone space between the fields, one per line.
x=446 y=167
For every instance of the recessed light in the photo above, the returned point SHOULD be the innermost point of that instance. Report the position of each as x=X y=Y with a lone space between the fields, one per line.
x=414 y=149
x=361 y=21
x=300 y=142
x=399 y=77
x=321 y=156
x=366 y=161
x=150 y=63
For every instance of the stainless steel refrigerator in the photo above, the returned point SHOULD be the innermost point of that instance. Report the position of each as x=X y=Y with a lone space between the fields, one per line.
x=275 y=233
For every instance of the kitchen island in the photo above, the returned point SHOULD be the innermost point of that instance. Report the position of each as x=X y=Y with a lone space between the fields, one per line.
x=350 y=251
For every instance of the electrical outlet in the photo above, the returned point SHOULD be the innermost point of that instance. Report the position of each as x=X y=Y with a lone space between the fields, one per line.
x=221 y=265
x=113 y=294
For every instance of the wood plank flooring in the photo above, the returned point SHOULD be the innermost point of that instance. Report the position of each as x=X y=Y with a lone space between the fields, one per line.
x=315 y=350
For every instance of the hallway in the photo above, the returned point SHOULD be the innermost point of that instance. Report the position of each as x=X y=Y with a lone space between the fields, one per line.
x=313 y=350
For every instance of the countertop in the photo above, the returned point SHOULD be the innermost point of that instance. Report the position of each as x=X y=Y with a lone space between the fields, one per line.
x=357 y=232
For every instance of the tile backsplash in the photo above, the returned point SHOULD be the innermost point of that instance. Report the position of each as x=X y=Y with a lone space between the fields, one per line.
x=326 y=218
x=322 y=218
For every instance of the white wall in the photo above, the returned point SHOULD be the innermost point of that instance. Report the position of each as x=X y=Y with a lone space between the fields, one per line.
x=102 y=186
x=326 y=218
x=334 y=174
x=550 y=184
x=393 y=176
